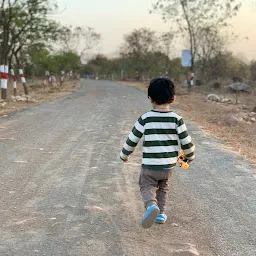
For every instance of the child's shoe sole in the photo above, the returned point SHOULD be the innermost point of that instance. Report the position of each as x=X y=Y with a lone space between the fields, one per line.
x=150 y=216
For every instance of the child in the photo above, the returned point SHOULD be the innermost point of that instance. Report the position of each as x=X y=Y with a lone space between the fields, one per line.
x=163 y=132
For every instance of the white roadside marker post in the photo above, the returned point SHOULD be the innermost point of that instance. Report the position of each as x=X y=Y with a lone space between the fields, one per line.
x=4 y=70
x=14 y=82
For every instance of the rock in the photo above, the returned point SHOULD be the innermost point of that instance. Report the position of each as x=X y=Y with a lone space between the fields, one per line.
x=3 y=104
x=254 y=109
x=243 y=115
x=19 y=98
x=231 y=120
x=27 y=97
x=240 y=119
x=225 y=100
x=239 y=87
x=213 y=97
x=1 y=100
x=184 y=250
x=24 y=98
x=253 y=119
x=246 y=118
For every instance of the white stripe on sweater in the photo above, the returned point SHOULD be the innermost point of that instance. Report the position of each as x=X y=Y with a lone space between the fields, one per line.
x=133 y=138
x=158 y=114
x=189 y=151
x=159 y=161
x=161 y=137
x=123 y=156
x=128 y=148
x=186 y=140
x=139 y=127
x=160 y=125
x=181 y=129
x=160 y=149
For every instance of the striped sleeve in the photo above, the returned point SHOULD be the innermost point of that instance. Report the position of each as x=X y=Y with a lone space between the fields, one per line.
x=133 y=139
x=185 y=140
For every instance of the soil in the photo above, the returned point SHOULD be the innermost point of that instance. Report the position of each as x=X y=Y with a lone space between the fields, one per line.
x=39 y=92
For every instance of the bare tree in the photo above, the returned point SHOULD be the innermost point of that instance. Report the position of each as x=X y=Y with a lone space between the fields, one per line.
x=139 y=43
x=138 y=47
x=190 y=15
x=80 y=40
x=166 y=45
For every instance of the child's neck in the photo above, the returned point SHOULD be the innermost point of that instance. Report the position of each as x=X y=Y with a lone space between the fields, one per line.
x=161 y=108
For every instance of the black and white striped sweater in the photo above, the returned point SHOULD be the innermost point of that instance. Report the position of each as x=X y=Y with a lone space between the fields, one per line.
x=164 y=134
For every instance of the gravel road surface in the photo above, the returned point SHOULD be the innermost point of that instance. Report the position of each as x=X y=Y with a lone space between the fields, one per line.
x=63 y=190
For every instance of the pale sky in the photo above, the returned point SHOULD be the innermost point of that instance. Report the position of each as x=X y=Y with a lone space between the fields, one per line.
x=114 y=18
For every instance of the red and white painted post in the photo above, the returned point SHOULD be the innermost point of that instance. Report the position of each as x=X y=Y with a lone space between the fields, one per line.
x=22 y=77
x=71 y=74
x=62 y=77
x=192 y=77
x=14 y=82
x=23 y=81
x=47 y=77
x=4 y=70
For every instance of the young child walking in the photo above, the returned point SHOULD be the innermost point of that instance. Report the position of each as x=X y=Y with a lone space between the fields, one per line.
x=164 y=133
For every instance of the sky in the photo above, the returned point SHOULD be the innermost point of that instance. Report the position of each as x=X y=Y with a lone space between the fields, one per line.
x=114 y=18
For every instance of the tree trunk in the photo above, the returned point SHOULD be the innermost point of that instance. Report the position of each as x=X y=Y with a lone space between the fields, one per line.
x=191 y=40
x=14 y=81
x=3 y=94
x=19 y=64
x=4 y=81
x=25 y=88
x=190 y=34
x=3 y=64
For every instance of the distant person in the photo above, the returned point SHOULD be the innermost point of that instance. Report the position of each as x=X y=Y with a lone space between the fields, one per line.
x=163 y=132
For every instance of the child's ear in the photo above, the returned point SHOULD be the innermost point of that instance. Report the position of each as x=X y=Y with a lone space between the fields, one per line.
x=150 y=99
x=172 y=100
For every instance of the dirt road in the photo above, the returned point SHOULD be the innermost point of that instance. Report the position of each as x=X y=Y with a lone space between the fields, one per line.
x=63 y=190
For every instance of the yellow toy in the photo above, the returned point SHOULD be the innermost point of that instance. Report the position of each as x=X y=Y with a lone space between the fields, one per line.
x=182 y=161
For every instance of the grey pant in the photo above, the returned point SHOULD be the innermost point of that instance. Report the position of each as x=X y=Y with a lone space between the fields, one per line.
x=154 y=187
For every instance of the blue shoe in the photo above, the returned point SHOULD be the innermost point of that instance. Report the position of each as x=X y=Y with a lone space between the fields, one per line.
x=150 y=216
x=161 y=219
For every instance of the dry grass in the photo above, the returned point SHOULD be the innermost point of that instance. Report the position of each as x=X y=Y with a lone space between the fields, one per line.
x=39 y=92
x=210 y=117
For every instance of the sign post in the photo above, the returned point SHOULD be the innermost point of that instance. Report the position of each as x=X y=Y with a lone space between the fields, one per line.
x=186 y=61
